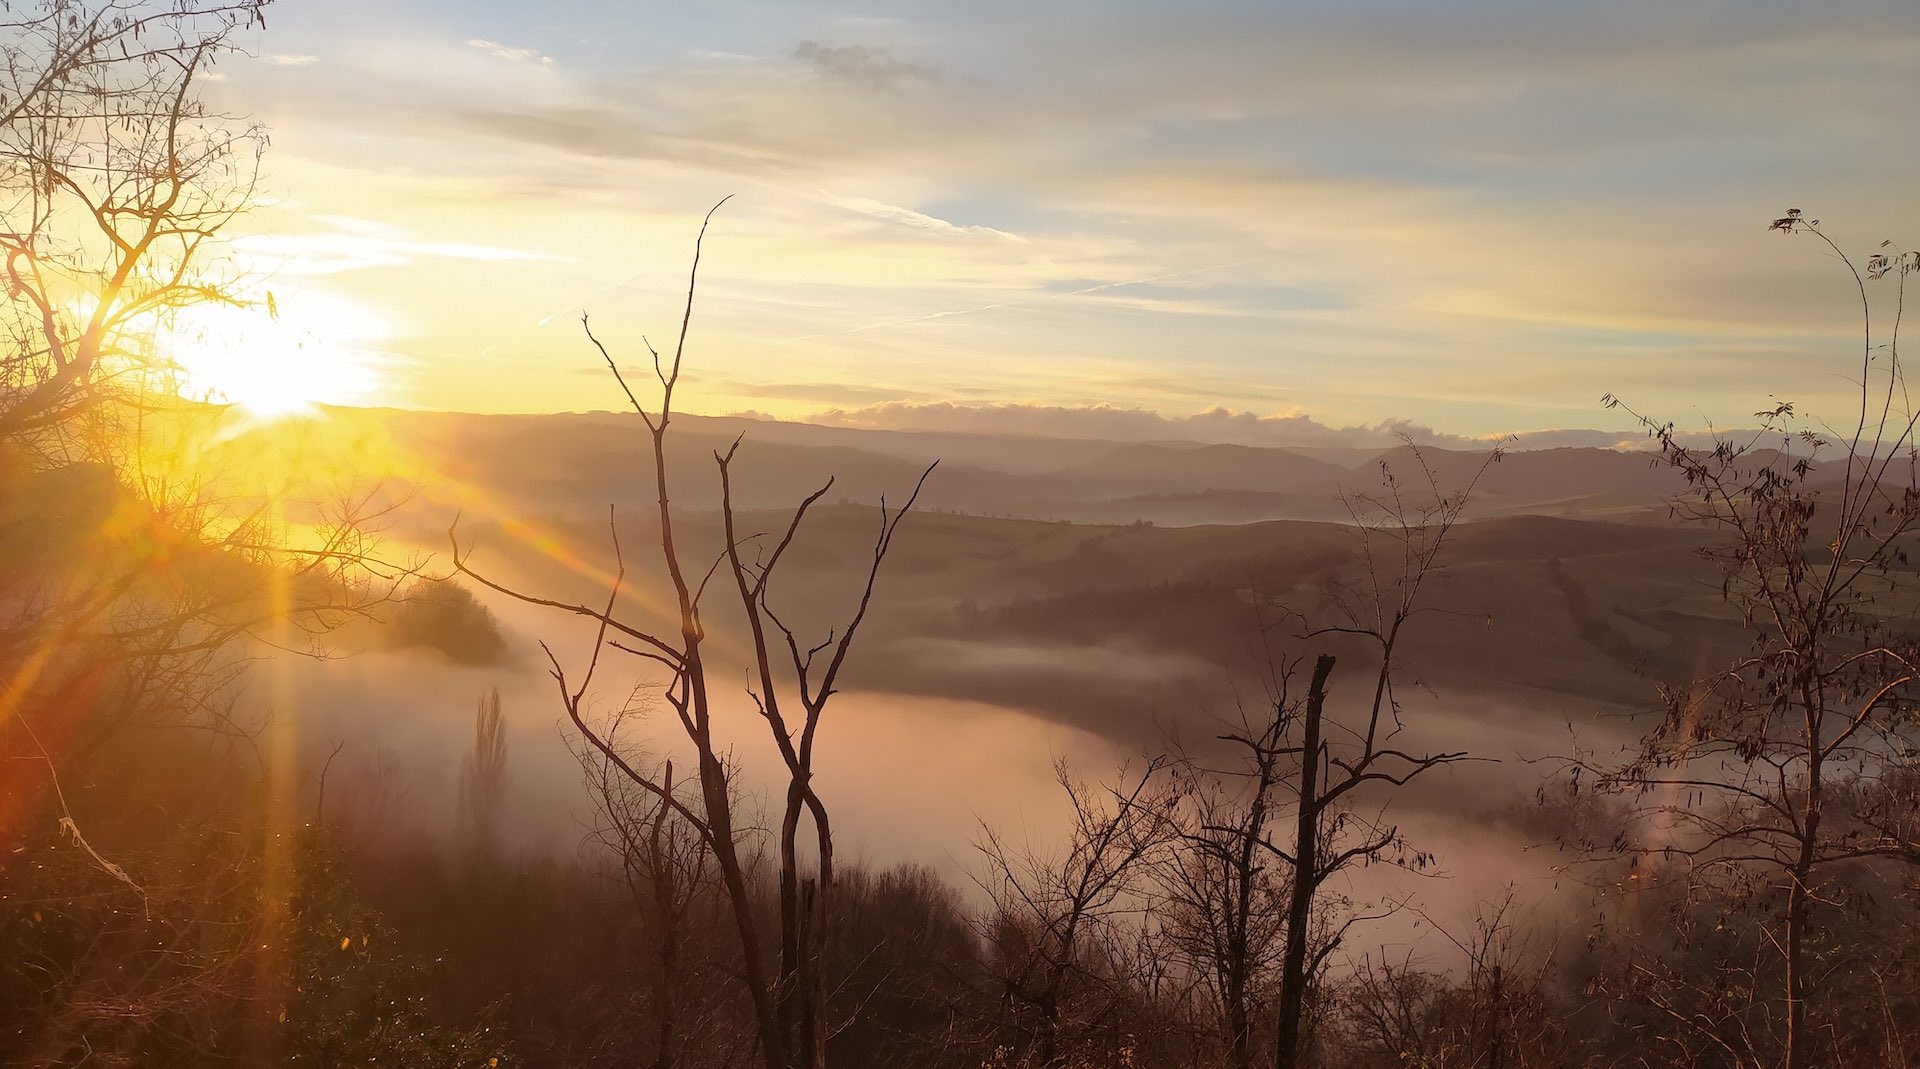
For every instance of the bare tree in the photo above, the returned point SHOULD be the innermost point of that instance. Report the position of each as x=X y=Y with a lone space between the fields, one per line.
x=672 y=865
x=1222 y=898
x=786 y=672
x=669 y=874
x=130 y=596
x=682 y=1018
x=1401 y=534
x=1796 y=758
x=1498 y=1007
x=116 y=181
x=1060 y=918
x=133 y=594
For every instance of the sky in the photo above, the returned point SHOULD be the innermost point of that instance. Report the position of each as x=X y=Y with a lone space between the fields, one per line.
x=1477 y=217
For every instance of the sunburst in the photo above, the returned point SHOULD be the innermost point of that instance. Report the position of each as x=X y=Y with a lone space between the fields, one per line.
x=272 y=361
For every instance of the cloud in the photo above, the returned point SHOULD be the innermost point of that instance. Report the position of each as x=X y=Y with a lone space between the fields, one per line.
x=858 y=64
x=284 y=59
x=1213 y=425
x=507 y=52
x=1486 y=215
x=827 y=393
x=1462 y=91
x=1224 y=426
x=350 y=244
x=907 y=217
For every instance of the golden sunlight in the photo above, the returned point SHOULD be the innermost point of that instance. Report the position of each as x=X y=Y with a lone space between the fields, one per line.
x=274 y=359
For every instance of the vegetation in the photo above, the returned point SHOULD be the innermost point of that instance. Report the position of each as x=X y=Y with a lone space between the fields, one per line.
x=443 y=616
x=1788 y=776
x=179 y=888
x=161 y=906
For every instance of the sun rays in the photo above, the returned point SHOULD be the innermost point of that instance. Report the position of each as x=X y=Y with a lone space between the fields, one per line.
x=271 y=360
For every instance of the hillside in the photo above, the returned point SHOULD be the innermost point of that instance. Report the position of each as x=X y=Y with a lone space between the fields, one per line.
x=575 y=465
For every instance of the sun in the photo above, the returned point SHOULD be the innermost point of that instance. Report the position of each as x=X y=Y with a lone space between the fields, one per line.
x=271 y=359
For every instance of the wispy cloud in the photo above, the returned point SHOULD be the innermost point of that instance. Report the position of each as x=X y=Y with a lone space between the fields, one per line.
x=908 y=217
x=508 y=52
x=1037 y=298
x=349 y=244
x=819 y=393
x=860 y=64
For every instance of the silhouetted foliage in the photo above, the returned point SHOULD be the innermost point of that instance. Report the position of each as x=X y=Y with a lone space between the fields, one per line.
x=483 y=781
x=1772 y=780
x=443 y=616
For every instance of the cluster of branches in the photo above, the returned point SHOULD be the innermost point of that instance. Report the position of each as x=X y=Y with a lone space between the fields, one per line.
x=1243 y=860
x=133 y=591
x=116 y=561
x=792 y=682
x=1221 y=872
x=1784 y=775
x=116 y=181
x=1196 y=903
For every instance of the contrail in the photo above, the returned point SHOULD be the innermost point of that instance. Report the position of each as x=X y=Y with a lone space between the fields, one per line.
x=1020 y=303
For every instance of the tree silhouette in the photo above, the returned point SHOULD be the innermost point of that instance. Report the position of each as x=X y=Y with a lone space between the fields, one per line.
x=791 y=684
x=1798 y=757
x=483 y=780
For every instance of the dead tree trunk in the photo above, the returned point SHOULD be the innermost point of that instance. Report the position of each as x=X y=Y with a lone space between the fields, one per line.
x=1370 y=758
x=1306 y=853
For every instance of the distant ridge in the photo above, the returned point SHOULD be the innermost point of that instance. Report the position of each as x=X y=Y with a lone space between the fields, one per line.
x=572 y=465
x=1177 y=467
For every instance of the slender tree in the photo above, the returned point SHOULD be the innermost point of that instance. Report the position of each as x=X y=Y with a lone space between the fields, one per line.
x=483 y=780
x=1223 y=897
x=1402 y=533
x=1060 y=919
x=792 y=682
x=1797 y=756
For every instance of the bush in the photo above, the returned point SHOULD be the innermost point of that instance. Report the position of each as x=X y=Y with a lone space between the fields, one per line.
x=444 y=616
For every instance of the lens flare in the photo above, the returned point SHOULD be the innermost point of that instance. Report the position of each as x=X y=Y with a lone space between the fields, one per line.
x=274 y=359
